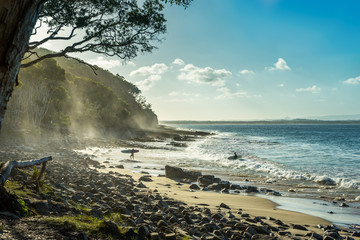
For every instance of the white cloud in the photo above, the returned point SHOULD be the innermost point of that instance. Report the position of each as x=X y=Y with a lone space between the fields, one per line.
x=152 y=73
x=313 y=89
x=178 y=61
x=352 y=81
x=279 y=65
x=103 y=63
x=207 y=75
x=246 y=72
x=148 y=83
x=156 y=69
x=225 y=93
x=131 y=63
x=281 y=85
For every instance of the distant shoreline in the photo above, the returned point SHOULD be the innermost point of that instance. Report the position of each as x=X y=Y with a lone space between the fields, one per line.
x=270 y=122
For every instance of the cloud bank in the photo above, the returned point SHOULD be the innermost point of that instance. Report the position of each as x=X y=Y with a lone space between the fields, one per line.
x=352 y=81
x=152 y=74
x=207 y=75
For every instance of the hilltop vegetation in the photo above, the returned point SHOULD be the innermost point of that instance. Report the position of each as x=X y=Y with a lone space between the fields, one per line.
x=64 y=96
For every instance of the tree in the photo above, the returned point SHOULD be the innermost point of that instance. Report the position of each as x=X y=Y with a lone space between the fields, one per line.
x=32 y=99
x=112 y=27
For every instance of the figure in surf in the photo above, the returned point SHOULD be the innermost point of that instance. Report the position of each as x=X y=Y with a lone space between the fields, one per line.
x=132 y=155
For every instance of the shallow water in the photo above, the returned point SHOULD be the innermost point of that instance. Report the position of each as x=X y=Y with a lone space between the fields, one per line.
x=276 y=157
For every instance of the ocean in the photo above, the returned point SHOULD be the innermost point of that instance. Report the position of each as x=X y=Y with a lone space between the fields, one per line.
x=328 y=154
x=313 y=167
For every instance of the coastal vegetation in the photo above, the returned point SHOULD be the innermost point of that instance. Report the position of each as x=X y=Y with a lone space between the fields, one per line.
x=63 y=96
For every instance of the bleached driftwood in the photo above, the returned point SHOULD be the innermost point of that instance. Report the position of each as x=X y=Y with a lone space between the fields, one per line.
x=7 y=167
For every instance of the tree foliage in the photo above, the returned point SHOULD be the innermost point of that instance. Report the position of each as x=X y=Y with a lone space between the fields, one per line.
x=118 y=28
x=73 y=100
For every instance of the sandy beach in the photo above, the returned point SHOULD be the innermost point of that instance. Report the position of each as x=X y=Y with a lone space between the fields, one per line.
x=239 y=204
x=154 y=207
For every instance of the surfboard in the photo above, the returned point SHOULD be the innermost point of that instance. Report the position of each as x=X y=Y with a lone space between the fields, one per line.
x=233 y=158
x=129 y=151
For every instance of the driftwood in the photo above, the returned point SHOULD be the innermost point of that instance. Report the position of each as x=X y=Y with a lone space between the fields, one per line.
x=7 y=200
x=7 y=167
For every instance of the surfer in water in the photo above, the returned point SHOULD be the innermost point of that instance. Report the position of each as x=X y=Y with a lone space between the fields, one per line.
x=235 y=155
x=132 y=156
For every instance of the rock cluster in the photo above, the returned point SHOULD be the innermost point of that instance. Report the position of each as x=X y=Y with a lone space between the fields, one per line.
x=210 y=182
x=146 y=214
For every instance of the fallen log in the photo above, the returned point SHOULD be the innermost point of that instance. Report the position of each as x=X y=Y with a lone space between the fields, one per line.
x=8 y=201
x=7 y=167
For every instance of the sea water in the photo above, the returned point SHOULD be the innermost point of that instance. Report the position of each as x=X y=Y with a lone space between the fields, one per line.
x=317 y=161
x=321 y=153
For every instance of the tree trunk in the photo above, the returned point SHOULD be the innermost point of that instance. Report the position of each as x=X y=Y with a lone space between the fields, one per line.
x=17 y=21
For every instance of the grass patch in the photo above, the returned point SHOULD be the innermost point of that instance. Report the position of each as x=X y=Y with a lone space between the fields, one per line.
x=88 y=224
x=16 y=188
x=79 y=223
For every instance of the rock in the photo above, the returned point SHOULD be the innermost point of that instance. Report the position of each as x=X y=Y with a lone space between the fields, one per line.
x=161 y=224
x=145 y=178
x=225 y=191
x=179 y=173
x=344 y=205
x=141 y=185
x=154 y=236
x=230 y=215
x=170 y=236
x=224 y=184
x=41 y=207
x=251 y=230
x=217 y=216
x=262 y=237
x=82 y=236
x=97 y=213
x=206 y=180
x=120 y=166
x=194 y=187
x=223 y=205
x=262 y=230
x=163 y=204
x=333 y=234
x=316 y=236
x=326 y=181
x=215 y=187
x=251 y=189
x=299 y=227
x=109 y=227
x=235 y=187
x=144 y=231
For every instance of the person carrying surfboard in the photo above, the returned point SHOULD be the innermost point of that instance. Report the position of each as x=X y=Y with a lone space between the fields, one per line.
x=132 y=155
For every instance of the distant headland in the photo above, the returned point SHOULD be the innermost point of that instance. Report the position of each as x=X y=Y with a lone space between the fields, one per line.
x=264 y=122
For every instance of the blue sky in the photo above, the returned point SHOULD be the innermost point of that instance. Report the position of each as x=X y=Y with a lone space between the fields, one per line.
x=251 y=59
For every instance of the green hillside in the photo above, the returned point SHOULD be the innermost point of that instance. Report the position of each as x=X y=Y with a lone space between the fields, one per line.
x=64 y=96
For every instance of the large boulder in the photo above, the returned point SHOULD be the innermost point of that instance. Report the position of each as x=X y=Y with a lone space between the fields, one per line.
x=179 y=173
x=206 y=180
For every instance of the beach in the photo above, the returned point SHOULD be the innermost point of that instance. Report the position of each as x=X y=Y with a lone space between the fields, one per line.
x=98 y=180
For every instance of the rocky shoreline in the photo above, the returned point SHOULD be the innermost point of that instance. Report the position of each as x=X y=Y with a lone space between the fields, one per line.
x=123 y=207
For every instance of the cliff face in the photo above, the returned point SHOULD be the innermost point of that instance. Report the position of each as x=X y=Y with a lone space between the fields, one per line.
x=65 y=96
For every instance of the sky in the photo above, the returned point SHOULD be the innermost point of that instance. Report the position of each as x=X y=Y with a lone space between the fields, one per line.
x=250 y=60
